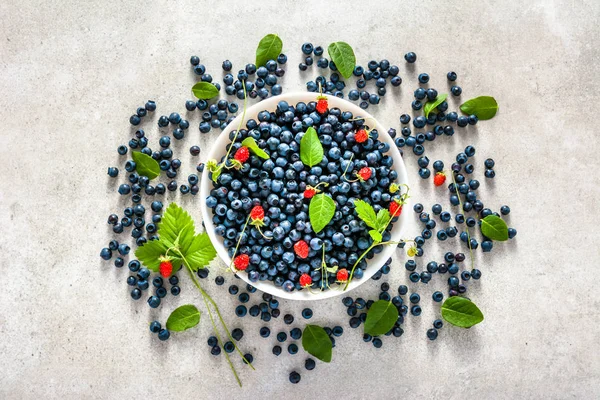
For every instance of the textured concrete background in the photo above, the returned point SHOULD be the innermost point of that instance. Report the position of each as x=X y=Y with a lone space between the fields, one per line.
x=71 y=74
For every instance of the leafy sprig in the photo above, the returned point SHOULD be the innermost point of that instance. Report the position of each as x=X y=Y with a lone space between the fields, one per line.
x=179 y=242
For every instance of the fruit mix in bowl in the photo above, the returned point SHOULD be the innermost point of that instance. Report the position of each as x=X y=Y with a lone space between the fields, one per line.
x=306 y=199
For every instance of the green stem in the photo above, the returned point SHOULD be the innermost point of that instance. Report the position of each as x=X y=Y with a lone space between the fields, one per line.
x=461 y=207
x=237 y=246
x=363 y=256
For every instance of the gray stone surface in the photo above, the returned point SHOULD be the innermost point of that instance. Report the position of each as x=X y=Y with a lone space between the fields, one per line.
x=71 y=73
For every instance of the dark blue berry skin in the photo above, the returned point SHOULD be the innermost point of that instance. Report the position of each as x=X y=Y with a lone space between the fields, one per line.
x=456 y=90
x=175 y=290
x=215 y=350
x=410 y=57
x=106 y=254
x=377 y=343
x=294 y=377
x=307 y=48
x=150 y=106
x=432 y=334
x=512 y=232
x=164 y=334
x=155 y=327
x=154 y=301
x=113 y=172
x=490 y=173
x=437 y=296
x=307 y=313
x=404 y=119
x=451 y=76
x=310 y=364
x=293 y=348
x=423 y=78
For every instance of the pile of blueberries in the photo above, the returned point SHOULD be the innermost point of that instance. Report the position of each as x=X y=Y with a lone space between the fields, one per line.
x=278 y=183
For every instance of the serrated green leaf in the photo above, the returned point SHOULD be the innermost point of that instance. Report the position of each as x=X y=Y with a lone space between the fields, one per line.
x=494 y=228
x=251 y=144
x=183 y=318
x=311 y=149
x=150 y=252
x=205 y=90
x=176 y=228
x=342 y=55
x=484 y=107
x=383 y=219
x=461 y=312
x=381 y=317
x=375 y=235
x=432 y=105
x=320 y=211
x=201 y=252
x=316 y=342
x=268 y=48
x=145 y=165
x=366 y=212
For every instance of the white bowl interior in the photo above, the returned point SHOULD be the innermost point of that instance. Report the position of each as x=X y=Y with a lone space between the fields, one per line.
x=218 y=151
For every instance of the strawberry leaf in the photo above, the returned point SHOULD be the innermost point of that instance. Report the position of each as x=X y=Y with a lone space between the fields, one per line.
x=383 y=219
x=366 y=212
x=375 y=235
x=176 y=229
x=494 y=228
x=251 y=144
x=316 y=342
x=183 y=318
x=205 y=90
x=150 y=252
x=461 y=312
x=484 y=107
x=268 y=48
x=343 y=56
x=201 y=252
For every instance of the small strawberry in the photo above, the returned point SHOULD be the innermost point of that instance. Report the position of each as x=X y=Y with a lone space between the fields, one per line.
x=257 y=215
x=439 y=179
x=166 y=267
x=305 y=280
x=309 y=192
x=241 y=262
x=361 y=136
x=364 y=174
x=395 y=208
x=301 y=249
x=242 y=154
x=322 y=105
x=342 y=275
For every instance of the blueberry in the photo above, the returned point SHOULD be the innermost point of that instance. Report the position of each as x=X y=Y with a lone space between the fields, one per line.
x=410 y=57
x=106 y=254
x=490 y=173
x=307 y=313
x=154 y=301
x=265 y=332
x=215 y=350
x=377 y=343
x=293 y=348
x=415 y=310
x=276 y=350
x=175 y=290
x=456 y=90
x=296 y=333
x=155 y=326
x=164 y=334
x=294 y=377
x=432 y=334
x=423 y=78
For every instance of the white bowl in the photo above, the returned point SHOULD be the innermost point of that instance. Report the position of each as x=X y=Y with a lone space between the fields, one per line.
x=218 y=151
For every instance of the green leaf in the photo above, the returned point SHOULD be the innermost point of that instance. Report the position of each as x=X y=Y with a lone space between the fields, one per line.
x=268 y=48
x=494 y=228
x=311 y=150
x=183 y=318
x=205 y=90
x=383 y=218
x=145 y=165
x=432 y=105
x=375 y=235
x=316 y=342
x=320 y=210
x=484 y=107
x=366 y=212
x=201 y=252
x=381 y=317
x=343 y=56
x=176 y=228
x=149 y=254
x=461 y=312
x=215 y=174
x=251 y=144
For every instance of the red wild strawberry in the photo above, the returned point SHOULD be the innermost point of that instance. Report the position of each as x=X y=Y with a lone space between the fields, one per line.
x=361 y=136
x=257 y=215
x=364 y=174
x=395 y=208
x=241 y=262
x=301 y=249
x=166 y=268
x=439 y=179
x=242 y=154
x=322 y=104
x=305 y=280
x=310 y=192
x=342 y=275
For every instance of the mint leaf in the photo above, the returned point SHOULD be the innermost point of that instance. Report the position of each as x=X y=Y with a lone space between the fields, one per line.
x=494 y=228
x=205 y=90
x=381 y=317
x=311 y=150
x=183 y=318
x=432 y=105
x=149 y=254
x=366 y=212
x=343 y=56
x=316 y=342
x=375 y=235
x=461 y=312
x=268 y=48
x=176 y=228
x=320 y=211
x=383 y=219
x=145 y=165
x=484 y=107
x=201 y=252
x=251 y=144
